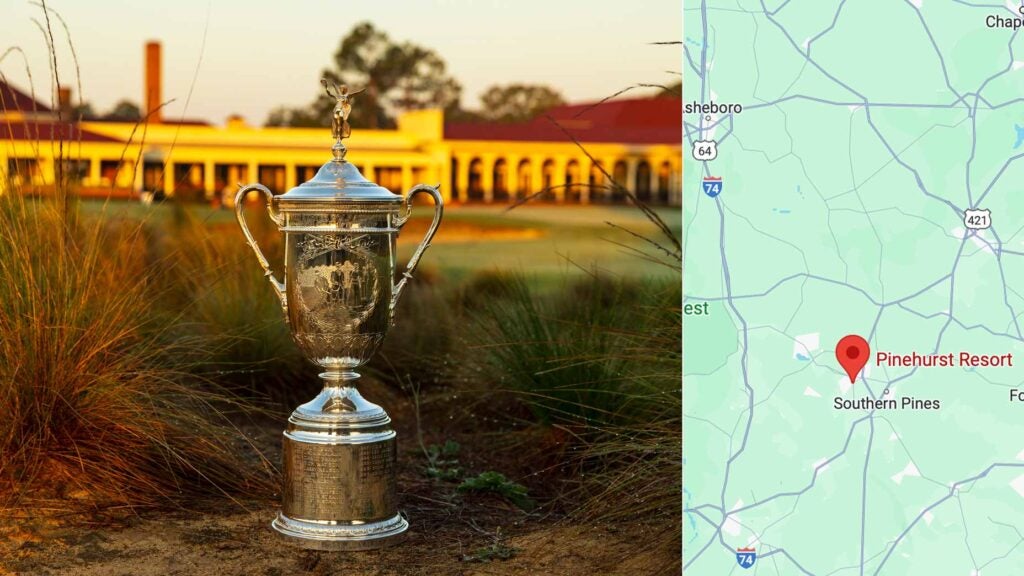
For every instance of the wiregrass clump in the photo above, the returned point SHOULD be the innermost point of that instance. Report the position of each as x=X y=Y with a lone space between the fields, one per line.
x=596 y=353
x=418 y=349
x=600 y=364
x=99 y=404
x=222 y=294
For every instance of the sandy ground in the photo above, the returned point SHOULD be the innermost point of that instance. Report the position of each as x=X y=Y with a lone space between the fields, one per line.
x=450 y=533
x=242 y=543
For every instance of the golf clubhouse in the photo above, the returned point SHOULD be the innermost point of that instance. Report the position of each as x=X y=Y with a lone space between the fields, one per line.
x=567 y=152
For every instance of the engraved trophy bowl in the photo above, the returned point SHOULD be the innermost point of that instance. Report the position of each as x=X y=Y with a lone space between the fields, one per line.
x=339 y=299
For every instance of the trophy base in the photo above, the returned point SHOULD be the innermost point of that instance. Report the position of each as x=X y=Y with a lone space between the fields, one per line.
x=341 y=537
x=339 y=489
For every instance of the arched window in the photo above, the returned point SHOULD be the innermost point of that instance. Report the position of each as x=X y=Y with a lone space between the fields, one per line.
x=619 y=175
x=643 y=181
x=500 y=180
x=456 y=193
x=596 y=181
x=525 y=180
x=573 y=184
x=547 y=173
x=476 y=172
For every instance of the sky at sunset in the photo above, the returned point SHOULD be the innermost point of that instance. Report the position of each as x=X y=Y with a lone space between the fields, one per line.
x=261 y=54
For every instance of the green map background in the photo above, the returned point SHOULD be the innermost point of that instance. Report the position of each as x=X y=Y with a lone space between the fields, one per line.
x=842 y=212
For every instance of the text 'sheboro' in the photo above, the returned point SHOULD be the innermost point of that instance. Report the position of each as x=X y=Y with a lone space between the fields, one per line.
x=339 y=298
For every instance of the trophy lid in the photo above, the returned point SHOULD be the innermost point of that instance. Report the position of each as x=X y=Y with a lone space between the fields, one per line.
x=338 y=180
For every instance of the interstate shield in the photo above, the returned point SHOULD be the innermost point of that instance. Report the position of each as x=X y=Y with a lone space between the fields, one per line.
x=746 y=557
x=713 y=186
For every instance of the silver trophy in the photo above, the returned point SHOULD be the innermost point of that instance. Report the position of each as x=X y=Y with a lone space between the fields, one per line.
x=339 y=297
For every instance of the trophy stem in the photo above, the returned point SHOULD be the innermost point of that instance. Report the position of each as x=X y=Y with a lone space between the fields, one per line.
x=340 y=403
x=338 y=378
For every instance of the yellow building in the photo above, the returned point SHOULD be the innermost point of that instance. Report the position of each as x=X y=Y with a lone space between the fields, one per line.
x=637 y=141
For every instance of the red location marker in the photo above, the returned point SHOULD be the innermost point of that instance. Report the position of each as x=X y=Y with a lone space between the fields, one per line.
x=852 y=352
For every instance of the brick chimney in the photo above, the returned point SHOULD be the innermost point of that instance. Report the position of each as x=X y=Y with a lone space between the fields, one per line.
x=64 y=101
x=153 y=88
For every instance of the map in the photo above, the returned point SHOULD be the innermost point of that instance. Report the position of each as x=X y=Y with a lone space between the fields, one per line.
x=854 y=284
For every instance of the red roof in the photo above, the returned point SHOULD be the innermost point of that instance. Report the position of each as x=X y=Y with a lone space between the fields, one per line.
x=48 y=130
x=42 y=127
x=164 y=121
x=12 y=99
x=632 y=121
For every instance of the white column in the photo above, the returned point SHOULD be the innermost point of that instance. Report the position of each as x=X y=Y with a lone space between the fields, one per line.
x=536 y=175
x=291 y=180
x=441 y=173
x=169 y=178
x=630 y=183
x=195 y=175
x=512 y=174
x=487 y=177
x=608 y=163
x=676 y=187
x=655 y=171
x=94 y=172
x=123 y=175
x=209 y=182
x=559 y=180
x=407 y=183
x=584 y=186
x=138 y=182
x=461 y=191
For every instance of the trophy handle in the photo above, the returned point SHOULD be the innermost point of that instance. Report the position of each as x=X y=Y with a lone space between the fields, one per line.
x=279 y=287
x=415 y=260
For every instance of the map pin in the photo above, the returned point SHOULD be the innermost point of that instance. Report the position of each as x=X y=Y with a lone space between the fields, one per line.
x=852 y=351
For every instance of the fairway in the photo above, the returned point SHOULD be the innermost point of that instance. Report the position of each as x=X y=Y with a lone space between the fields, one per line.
x=543 y=242
x=553 y=240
